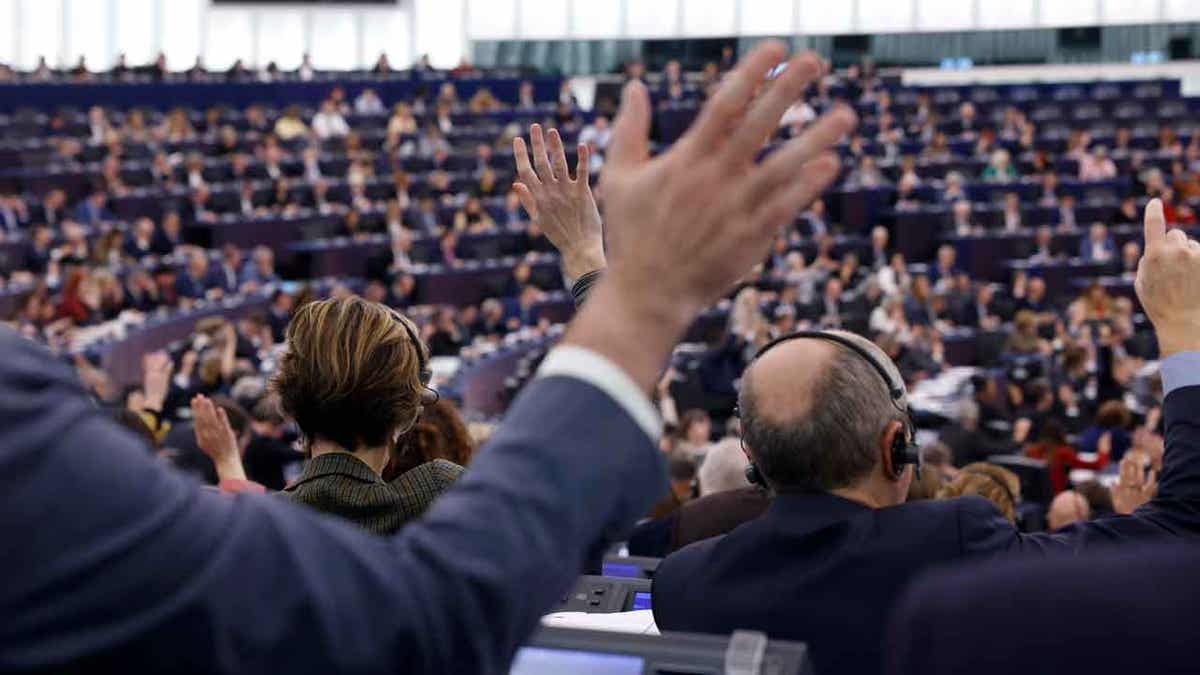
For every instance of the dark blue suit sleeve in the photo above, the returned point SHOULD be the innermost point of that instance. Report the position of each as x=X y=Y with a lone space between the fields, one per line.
x=115 y=561
x=1174 y=512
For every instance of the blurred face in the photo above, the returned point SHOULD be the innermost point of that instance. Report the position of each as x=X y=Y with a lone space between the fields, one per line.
x=197 y=264
x=1037 y=287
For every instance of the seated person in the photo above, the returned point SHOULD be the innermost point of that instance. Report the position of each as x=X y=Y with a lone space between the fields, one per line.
x=826 y=428
x=354 y=378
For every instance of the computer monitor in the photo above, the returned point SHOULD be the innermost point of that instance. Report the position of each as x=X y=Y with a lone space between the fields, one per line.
x=569 y=650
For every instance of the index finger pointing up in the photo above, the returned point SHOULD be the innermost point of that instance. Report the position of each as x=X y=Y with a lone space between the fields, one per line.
x=1155 y=224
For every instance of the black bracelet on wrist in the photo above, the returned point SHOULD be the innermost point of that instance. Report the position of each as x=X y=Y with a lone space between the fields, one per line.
x=582 y=285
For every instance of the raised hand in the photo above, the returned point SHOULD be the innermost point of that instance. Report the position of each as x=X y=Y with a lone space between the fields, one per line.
x=1168 y=283
x=562 y=206
x=216 y=438
x=1137 y=483
x=694 y=220
x=686 y=225
x=156 y=379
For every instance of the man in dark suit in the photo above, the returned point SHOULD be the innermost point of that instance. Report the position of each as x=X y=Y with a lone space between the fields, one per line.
x=94 y=209
x=133 y=566
x=53 y=208
x=196 y=279
x=826 y=561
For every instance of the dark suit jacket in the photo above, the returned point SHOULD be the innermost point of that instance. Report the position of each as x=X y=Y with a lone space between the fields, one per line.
x=822 y=569
x=1120 y=612
x=123 y=565
x=342 y=485
x=708 y=516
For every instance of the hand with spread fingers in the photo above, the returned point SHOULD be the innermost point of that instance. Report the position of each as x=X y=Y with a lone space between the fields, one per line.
x=686 y=225
x=1137 y=483
x=1168 y=283
x=562 y=206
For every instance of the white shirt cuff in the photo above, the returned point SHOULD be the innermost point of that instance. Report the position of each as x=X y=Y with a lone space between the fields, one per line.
x=598 y=371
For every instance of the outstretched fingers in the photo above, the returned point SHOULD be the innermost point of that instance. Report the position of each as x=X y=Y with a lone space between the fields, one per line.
x=630 y=143
x=558 y=156
x=782 y=204
x=540 y=160
x=736 y=89
x=524 y=169
x=764 y=114
x=780 y=168
x=527 y=199
x=583 y=163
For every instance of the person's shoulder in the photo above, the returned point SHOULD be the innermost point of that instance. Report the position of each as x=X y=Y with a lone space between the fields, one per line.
x=969 y=511
x=438 y=474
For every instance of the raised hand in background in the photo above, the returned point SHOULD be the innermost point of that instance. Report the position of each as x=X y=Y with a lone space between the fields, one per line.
x=562 y=206
x=216 y=438
x=1168 y=283
x=1138 y=483
x=156 y=379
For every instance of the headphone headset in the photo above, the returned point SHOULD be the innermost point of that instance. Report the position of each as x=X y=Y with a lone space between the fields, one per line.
x=429 y=395
x=904 y=446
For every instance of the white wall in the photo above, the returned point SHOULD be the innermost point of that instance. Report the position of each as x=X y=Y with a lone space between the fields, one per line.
x=337 y=37
x=582 y=19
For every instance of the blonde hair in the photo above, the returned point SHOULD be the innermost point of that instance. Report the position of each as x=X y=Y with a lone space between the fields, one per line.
x=994 y=483
x=351 y=372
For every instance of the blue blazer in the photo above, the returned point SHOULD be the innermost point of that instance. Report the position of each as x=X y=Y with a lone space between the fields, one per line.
x=822 y=569
x=1125 y=611
x=114 y=562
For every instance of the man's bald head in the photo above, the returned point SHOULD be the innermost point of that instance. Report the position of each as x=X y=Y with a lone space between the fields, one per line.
x=813 y=412
x=1068 y=507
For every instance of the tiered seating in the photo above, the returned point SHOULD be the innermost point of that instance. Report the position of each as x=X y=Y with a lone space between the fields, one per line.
x=343 y=226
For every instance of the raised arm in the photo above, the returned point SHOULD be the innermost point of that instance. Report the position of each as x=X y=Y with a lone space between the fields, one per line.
x=1168 y=285
x=123 y=564
x=562 y=206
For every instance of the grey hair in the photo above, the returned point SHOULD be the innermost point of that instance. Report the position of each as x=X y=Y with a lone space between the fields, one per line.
x=835 y=443
x=724 y=468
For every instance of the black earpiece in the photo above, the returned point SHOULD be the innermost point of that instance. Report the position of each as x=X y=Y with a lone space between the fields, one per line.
x=754 y=476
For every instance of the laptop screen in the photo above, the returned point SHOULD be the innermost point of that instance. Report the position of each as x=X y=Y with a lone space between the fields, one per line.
x=540 y=661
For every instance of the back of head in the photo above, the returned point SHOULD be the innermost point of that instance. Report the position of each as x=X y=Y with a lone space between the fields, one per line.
x=134 y=423
x=1068 y=507
x=724 y=468
x=239 y=419
x=827 y=436
x=996 y=484
x=351 y=373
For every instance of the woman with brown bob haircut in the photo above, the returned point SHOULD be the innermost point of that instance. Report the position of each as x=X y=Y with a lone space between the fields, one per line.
x=355 y=377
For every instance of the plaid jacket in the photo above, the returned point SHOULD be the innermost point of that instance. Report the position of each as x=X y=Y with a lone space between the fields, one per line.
x=342 y=485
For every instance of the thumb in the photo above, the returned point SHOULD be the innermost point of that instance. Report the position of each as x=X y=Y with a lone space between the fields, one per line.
x=630 y=144
x=526 y=198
